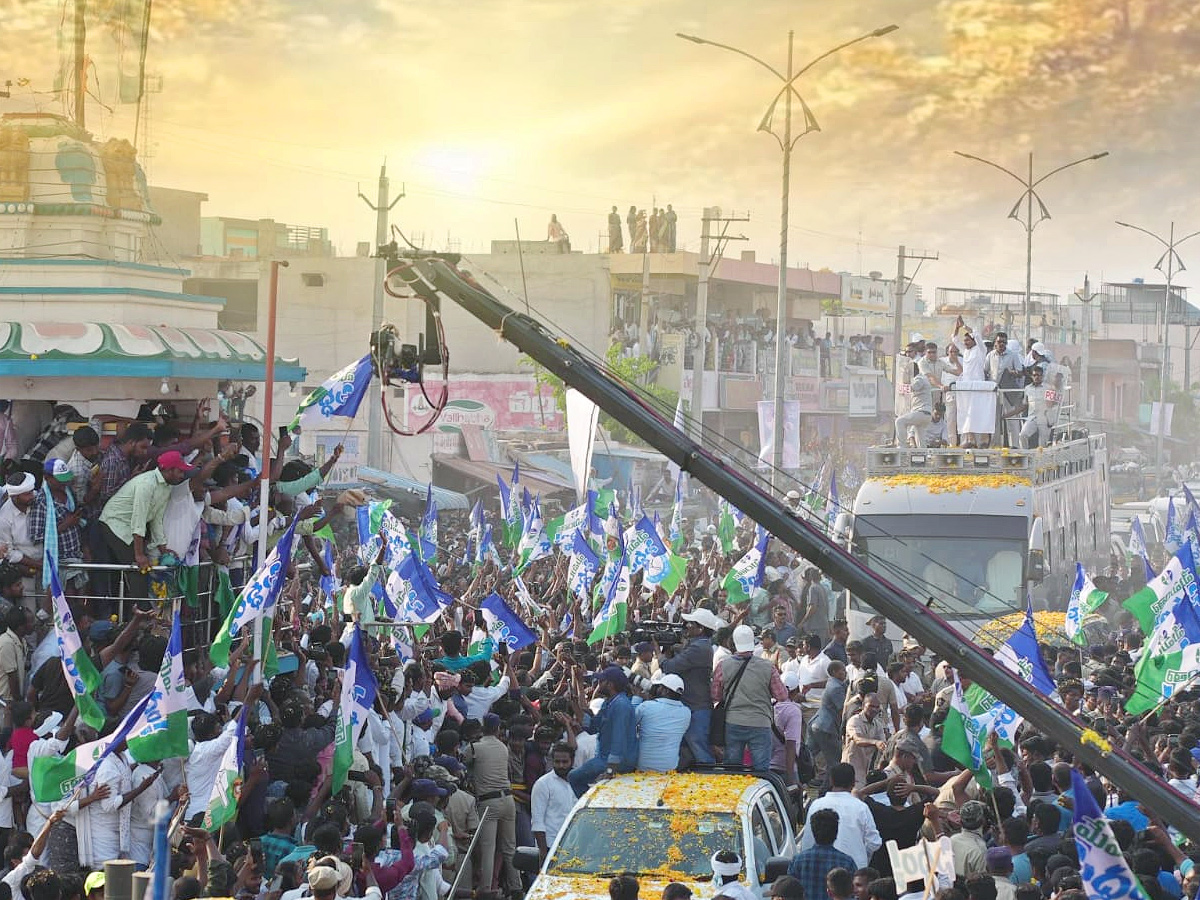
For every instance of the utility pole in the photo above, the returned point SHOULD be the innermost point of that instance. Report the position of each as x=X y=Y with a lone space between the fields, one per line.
x=898 y=292
x=706 y=265
x=80 y=70
x=382 y=207
x=1085 y=297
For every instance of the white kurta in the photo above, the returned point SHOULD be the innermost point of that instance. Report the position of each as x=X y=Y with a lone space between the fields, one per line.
x=975 y=396
x=102 y=828
x=141 y=819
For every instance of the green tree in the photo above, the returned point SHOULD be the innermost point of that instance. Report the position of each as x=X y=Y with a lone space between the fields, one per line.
x=637 y=373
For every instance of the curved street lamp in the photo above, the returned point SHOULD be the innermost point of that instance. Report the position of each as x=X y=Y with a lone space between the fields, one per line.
x=1174 y=265
x=786 y=144
x=1030 y=194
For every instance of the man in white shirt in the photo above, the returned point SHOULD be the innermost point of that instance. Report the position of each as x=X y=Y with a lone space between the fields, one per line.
x=552 y=799
x=15 y=544
x=102 y=829
x=857 y=835
x=480 y=698
x=208 y=748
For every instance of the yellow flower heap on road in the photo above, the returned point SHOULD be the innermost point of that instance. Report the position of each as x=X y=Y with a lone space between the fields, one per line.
x=954 y=484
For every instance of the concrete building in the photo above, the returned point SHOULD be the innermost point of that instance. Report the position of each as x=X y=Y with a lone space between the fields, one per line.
x=224 y=237
x=85 y=320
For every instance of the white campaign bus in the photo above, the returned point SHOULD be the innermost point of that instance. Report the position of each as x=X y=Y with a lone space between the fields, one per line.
x=969 y=532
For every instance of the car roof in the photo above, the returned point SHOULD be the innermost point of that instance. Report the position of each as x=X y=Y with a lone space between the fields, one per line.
x=699 y=792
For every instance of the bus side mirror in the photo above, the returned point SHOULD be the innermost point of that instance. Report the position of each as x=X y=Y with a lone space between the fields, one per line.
x=1037 y=566
x=1037 y=552
x=841 y=528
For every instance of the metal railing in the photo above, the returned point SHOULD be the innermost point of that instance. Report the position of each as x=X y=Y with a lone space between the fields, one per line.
x=199 y=621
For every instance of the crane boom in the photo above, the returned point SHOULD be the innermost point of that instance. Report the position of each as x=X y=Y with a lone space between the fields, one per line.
x=434 y=275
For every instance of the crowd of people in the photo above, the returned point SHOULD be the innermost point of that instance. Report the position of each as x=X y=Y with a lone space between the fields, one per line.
x=474 y=749
x=979 y=394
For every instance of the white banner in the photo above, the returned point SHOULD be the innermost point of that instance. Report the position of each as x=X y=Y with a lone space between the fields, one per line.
x=582 y=415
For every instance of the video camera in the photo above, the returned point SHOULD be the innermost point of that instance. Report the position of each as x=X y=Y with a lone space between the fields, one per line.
x=667 y=634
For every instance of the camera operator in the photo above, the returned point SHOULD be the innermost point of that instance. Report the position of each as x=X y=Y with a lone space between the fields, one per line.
x=693 y=663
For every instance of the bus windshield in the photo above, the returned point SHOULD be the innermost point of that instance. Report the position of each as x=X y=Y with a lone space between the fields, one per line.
x=968 y=574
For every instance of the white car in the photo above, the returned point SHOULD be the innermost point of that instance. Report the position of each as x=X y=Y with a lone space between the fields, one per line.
x=664 y=827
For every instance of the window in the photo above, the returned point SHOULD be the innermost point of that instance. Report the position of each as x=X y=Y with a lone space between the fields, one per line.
x=762 y=838
x=776 y=821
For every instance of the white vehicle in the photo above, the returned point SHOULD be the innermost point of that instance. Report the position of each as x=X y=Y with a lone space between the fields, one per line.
x=664 y=827
x=972 y=531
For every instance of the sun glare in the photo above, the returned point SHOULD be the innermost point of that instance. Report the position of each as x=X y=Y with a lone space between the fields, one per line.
x=452 y=168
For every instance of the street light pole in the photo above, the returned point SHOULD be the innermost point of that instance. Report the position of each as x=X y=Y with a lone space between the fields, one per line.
x=1029 y=255
x=781 y=300
x=1027 y=197
x=1085 y=297
x=1174 y=265
x=786 y=144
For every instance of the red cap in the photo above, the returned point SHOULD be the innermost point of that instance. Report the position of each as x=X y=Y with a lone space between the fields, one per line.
x=172 y=459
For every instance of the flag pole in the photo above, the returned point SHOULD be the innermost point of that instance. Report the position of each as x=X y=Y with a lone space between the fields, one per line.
x=264 y=497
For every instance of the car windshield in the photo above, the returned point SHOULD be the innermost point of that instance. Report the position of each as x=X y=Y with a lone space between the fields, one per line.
x=680 y=845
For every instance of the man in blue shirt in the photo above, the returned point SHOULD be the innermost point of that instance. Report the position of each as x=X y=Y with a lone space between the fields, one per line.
x=811 y=866
x=694 y=664
x=661 y=725
x=618 y=745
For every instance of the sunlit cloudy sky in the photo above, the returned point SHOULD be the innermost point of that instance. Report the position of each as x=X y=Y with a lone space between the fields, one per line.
x=490 y=110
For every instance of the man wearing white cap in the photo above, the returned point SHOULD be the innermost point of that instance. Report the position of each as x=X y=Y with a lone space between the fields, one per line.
x=745 y=684
x=661 y=725
x=694 y=665
x=15 y=543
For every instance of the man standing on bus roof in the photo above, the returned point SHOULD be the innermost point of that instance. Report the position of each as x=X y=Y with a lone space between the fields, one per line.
x=920 y=410
x=1005 y=368
x=976 y=408
x=1040 y=410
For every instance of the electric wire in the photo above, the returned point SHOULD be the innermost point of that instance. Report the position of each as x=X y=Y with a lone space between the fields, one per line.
x=916 y=585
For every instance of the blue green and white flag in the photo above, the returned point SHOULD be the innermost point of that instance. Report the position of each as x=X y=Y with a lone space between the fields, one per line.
x=1021 y=655
x=503 y=625
x=1173 y=539
x=227 y=787
x=534 y=544
x=576 y=519
x=614 y=611
x=162 y=732
x=1085 y=600
x=583 y=568
x=963 y=736
x=1102 y=867
x=429 y=527
x=339 y=395
x=1138 y=546
x=1158 y=597
x=78 y=669
x=510 y=510
x=642 y=543
x=54 y=778
x=358 y=696
x=747 y=573
x=417 y=594
x=257 y=599
x=1168 y=662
